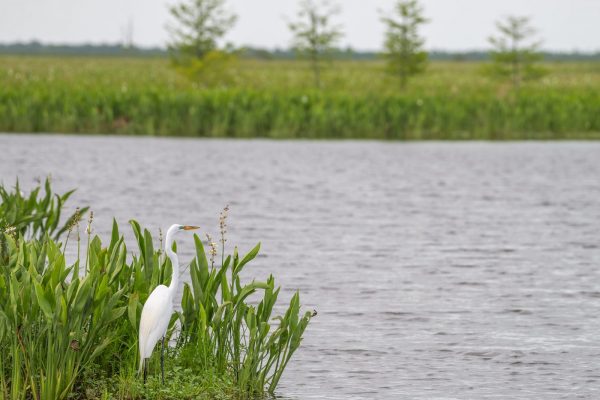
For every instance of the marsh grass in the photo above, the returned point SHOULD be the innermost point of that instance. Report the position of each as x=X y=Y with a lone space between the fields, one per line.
x=67 y=331
x=273 y=99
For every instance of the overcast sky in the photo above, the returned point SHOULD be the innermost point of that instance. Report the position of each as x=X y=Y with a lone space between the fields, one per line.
x=564 y=25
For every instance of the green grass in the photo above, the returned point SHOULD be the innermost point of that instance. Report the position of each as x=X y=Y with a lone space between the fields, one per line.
x=70 y=330
x=275 y=99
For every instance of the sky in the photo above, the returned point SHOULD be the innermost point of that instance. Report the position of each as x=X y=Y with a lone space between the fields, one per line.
x=456 y=25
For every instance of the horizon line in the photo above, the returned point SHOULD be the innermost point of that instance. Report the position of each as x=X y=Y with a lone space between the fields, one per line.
x=269 y=48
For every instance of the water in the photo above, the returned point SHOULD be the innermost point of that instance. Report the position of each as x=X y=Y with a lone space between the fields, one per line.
x=439 y=270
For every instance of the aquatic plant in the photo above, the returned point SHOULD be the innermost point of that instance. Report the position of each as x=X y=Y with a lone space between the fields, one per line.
x=232 y=334
x=34 y=215
x=64 y=323
x=53 y=323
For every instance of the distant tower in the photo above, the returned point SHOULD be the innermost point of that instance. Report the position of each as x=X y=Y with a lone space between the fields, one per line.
x=127 y=34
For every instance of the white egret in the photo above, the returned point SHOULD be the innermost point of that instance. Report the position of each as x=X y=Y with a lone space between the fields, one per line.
x=158 y=309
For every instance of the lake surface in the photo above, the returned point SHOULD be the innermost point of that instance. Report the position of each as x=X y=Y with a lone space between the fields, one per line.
x=439 y=270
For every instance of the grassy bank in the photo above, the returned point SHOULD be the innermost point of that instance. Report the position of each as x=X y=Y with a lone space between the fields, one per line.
x=70 y=330
x=274 y=99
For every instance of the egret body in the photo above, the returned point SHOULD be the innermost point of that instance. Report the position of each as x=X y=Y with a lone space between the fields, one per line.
x=158 y=309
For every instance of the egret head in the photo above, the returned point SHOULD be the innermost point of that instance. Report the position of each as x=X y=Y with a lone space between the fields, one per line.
x=176 y=228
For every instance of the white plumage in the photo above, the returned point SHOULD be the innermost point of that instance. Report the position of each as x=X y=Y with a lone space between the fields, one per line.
x=158 y=309
x=154 y=324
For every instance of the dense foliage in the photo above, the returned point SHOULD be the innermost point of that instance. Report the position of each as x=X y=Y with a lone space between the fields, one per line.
x=69 y=329
x=34 y=215
x=271 y=99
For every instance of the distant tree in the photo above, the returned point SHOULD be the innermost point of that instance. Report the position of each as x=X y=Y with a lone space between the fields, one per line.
x=515 y=51
x=403 y=45
x=200 y=24
x=314 y=34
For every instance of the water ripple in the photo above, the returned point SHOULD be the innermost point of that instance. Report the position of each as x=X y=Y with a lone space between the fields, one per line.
x=439 y=270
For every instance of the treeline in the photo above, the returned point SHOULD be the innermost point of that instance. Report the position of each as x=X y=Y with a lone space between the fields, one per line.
x=37 y=48
x=117 y=50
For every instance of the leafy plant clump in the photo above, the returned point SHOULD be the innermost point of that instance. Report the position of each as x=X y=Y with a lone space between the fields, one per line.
x=34 y=215
x=69 y=329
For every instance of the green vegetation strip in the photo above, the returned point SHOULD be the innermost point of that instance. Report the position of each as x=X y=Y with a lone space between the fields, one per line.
x=69 y=330
x=275 y=99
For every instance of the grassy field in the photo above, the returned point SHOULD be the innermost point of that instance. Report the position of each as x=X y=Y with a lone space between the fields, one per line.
x=276 y=99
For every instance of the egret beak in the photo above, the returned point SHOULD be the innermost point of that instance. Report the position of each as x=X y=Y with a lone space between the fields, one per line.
x=190 y=228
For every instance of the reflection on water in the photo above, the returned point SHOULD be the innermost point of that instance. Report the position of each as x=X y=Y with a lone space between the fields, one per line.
x=439 y=270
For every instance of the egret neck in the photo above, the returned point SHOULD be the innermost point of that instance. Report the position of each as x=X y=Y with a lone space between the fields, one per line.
x=174 y=260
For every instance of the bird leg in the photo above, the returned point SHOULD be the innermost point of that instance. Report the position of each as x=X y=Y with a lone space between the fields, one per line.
x=162 y=360
x=145 y=361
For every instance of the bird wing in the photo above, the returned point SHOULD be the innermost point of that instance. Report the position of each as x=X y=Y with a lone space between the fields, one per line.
x=156 y=315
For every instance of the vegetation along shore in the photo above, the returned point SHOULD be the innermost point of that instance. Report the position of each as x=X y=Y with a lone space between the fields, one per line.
x=206 y=89
x=69 y=328
x=209 y=90
x=141 y=96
